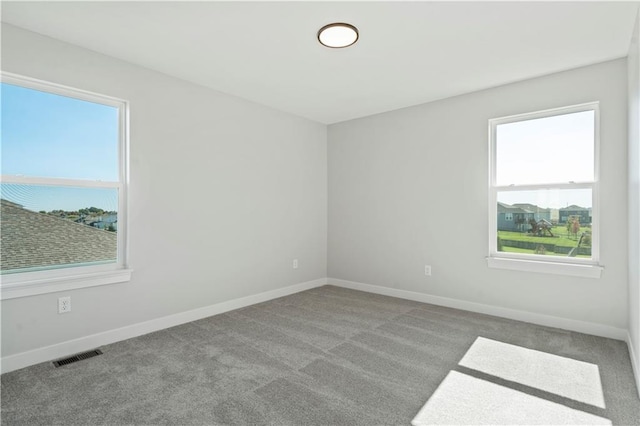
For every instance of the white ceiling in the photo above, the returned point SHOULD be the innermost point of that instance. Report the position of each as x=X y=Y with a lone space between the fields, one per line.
x=408 y=53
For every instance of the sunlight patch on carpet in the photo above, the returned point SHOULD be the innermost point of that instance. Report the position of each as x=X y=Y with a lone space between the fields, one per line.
x=462 y=399
x=576 y=380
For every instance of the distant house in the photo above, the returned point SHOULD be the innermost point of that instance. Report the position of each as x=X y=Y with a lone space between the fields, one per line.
x=105 y=221
x=583 y=214
x=512 y=218
x=106 y=225
x=31 y=240
x=539 y=213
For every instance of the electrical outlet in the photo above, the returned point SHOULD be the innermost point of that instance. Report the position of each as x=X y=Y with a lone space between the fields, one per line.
x=295 y=263
x=427 y=270
x=64 y=304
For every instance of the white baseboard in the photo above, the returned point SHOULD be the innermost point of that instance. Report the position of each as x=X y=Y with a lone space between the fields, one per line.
x=634 y=362
x=70 y=347
x=540 y=319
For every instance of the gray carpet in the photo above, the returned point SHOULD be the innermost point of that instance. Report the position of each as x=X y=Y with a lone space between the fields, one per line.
x=327 y=356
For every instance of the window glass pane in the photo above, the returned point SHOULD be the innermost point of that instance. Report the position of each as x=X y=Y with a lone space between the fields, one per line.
x=549 y=222
x=44 y=227
x=49 y=135
x=556 y=149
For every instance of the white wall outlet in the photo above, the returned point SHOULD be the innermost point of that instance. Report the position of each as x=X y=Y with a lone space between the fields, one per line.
x=64 y=304
x=295 y=263
x=427 y=270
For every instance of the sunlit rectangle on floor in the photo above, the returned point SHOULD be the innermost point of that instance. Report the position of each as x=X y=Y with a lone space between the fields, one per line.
x=559 y=375
x=463 y=400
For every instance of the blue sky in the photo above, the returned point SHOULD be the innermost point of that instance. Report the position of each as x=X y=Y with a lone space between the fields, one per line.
x=48 y=198
x=556 y=149
x=47 y=135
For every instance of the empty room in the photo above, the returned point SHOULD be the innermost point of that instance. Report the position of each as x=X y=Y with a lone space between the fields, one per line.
x=320 y=213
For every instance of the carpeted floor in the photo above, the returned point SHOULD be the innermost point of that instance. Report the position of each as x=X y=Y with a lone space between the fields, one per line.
x=327 y=356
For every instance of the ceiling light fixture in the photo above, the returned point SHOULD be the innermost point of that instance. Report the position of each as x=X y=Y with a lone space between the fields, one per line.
x=338 y=35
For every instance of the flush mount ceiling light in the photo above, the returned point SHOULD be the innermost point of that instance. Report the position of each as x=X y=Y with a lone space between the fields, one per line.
x=338 y=35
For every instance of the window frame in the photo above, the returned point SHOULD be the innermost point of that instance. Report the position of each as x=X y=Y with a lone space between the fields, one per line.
x=536 y=262
x=33 y=282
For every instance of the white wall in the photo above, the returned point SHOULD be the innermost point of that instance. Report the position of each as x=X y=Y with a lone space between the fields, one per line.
x=633 y=61
x=409 y=188
x=224 y=194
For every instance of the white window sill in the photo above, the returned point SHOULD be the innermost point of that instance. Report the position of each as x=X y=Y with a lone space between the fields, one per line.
x=571 y=269
x=22 y=285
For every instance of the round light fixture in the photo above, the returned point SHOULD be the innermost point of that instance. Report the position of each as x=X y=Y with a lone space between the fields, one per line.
x=338 y=35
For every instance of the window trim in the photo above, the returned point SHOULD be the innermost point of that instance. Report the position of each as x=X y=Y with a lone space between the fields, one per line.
x=543 y=263
x=29 y=283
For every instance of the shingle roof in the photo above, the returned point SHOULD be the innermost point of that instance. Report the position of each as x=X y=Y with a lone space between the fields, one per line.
x=506 y=208
x=532 y=208
x=30 y=239
x=574 y=208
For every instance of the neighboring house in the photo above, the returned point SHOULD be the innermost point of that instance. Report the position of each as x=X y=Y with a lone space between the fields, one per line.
x=539 y=213
x=583 y=213
x=109 y=218
x=105 y=221
x=29 y=240
x=512 y=218
x=105 y=225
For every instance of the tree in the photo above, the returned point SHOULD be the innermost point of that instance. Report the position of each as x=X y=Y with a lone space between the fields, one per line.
x=575 y=226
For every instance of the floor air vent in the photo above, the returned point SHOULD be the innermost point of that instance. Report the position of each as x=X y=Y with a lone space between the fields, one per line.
x=78 y=357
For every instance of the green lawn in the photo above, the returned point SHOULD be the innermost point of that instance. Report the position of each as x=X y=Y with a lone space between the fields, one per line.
x=560 y=238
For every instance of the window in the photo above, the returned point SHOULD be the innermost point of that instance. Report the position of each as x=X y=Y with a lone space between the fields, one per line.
x=543 y=185
x=63 y=193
